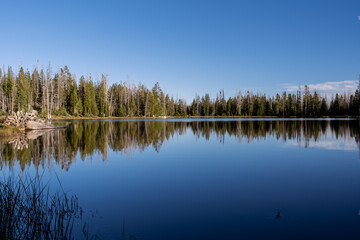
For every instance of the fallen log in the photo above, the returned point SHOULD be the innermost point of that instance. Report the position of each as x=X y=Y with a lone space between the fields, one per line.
x=29 y=121
x=34 y=125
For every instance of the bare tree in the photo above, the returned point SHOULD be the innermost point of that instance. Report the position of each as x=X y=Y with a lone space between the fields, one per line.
x=238 y=102
x=48 y=79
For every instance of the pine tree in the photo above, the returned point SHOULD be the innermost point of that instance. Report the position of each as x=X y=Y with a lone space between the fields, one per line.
x=8 y=89
x=22 y=91
x=73 y=100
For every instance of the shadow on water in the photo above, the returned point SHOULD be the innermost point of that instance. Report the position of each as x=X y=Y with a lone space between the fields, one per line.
x=89 y=137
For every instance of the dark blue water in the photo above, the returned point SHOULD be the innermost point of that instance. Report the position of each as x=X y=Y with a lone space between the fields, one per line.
x=217 y=179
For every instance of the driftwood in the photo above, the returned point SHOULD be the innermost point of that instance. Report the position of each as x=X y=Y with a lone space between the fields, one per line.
x=29 y=120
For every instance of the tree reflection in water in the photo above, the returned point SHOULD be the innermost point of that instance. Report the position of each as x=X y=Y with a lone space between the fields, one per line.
x=89 y=137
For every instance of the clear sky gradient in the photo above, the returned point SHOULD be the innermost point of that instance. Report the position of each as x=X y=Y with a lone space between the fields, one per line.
x=189 y=46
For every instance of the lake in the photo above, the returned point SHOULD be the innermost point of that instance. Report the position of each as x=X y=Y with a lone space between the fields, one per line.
x=201 y=178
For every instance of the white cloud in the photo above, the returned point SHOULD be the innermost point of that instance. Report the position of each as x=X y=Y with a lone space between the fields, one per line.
x=328 y=144
x=331 y=87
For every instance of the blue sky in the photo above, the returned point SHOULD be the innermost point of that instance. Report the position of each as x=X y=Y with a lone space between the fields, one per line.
x=189 y=46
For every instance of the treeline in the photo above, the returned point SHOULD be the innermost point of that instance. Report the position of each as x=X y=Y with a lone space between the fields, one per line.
x=62 y=93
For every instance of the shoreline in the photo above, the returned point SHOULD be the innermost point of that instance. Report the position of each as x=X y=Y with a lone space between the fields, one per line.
x=8 y=131
x=61 y=117
x=197 y=117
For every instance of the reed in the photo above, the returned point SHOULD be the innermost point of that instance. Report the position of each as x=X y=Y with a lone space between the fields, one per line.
x=29 y=211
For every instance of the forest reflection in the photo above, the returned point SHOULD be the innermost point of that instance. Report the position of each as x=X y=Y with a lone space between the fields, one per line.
x=86 y=138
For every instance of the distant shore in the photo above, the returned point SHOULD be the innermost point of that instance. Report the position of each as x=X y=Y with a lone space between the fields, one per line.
x=189 y=117
x=7 y=131
x=69 y=117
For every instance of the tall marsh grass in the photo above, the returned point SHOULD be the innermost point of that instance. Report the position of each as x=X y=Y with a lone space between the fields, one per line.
x=29 y=211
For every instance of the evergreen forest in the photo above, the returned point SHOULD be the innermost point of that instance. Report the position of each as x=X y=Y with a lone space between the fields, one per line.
x=62 y=93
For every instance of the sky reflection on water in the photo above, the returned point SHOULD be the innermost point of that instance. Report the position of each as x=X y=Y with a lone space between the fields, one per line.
x=219 y=179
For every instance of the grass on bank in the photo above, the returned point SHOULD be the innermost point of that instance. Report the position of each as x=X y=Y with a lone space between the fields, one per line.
x=6 y=131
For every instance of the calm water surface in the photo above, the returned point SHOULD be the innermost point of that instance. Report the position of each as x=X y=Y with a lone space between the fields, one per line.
x=202 y=179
